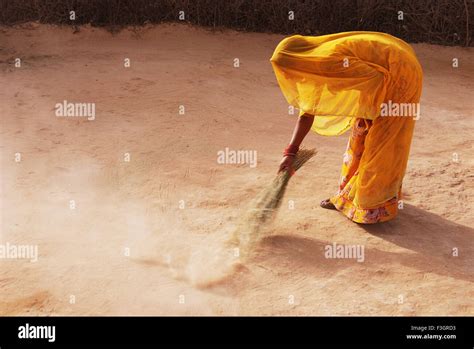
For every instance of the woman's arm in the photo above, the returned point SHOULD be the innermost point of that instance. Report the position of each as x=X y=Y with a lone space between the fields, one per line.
x=302 y=127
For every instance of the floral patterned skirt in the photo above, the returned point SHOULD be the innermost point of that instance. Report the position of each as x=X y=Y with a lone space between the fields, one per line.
x=344 y=199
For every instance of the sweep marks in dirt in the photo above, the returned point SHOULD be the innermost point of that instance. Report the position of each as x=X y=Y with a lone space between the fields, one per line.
x=218 y=259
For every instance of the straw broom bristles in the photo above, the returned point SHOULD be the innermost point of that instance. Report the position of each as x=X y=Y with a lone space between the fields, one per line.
x=265 y=205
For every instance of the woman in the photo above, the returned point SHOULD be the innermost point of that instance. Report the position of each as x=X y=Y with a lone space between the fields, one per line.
x=343 y=81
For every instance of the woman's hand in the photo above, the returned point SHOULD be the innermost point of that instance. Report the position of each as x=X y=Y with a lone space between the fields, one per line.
x=286 y=164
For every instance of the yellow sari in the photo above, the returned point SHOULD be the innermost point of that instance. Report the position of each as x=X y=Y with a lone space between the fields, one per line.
x=345 y=80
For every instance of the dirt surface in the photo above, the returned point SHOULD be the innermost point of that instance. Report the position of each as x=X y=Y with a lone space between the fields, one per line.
x=144 y=236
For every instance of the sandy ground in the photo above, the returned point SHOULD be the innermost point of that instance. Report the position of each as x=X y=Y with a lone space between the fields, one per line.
x=129 y=246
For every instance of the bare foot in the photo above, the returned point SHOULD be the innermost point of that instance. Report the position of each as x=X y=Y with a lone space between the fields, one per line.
x=327 y=204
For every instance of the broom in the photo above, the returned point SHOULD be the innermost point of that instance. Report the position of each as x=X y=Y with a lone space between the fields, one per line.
x=264 y=206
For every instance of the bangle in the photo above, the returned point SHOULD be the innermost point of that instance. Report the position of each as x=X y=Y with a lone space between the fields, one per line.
x=290 y=150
